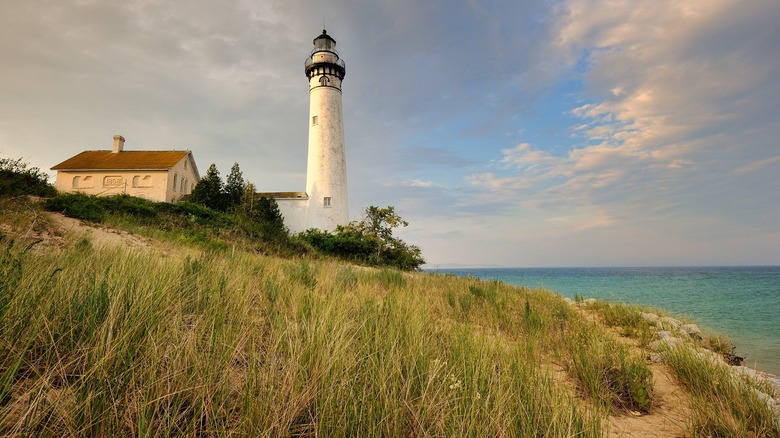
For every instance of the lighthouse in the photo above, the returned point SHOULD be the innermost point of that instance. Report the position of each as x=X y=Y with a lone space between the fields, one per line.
x=326 y=172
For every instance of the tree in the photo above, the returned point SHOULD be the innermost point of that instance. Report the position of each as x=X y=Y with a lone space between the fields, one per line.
x=209 y=190
x=248 y=200
x=380 y=222
x=369 y=240
x=269 y=216
x=234 y=188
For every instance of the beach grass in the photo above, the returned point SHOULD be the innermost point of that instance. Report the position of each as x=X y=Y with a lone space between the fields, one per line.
x=723 y=403
x=163 y=340
x=107 y=341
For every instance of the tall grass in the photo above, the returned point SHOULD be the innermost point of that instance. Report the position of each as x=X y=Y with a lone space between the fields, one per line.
x=723 y=404
x=98 y=341
x=625 y=317
x=105 y=342
x=608 y=371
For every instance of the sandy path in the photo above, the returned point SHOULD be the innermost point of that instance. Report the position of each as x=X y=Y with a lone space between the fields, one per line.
x=667 y=418
x=100 y=236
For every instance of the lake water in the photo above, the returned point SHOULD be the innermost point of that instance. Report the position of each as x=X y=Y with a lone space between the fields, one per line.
x=740 y=302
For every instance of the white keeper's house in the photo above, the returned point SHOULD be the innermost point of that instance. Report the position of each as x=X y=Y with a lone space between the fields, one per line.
x=164 y=176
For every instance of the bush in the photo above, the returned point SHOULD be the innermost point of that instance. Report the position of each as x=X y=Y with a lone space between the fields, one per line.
x=343 y=244
x=77 y=205
x=369 y=241
x=262 y=229
x=16 y=179
x=129 y=205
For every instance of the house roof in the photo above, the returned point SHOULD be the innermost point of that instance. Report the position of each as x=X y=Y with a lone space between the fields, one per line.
x=124 y=160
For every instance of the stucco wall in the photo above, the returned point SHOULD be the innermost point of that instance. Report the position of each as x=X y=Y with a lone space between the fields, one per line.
x=295 y=213
x=155 y=185
x=182 y=171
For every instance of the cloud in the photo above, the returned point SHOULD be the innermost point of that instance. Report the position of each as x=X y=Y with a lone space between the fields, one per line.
x=516 y=120
x=671 y=89
x=756 y=166
x=417 y=183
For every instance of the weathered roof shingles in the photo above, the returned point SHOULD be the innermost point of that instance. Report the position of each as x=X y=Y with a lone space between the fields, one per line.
x=125 y=160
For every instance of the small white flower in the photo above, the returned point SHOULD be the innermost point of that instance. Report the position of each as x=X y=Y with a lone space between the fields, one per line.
x=454 y=382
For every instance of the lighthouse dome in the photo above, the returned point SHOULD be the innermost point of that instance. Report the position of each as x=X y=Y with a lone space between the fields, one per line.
x=324 y=42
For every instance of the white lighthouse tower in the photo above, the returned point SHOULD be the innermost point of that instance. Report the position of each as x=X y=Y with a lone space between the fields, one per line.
x=326 y=173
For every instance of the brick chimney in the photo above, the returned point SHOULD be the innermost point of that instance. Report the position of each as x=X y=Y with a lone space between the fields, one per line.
x=119 y=144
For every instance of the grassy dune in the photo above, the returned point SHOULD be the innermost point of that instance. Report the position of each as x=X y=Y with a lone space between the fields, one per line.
x=109 y=341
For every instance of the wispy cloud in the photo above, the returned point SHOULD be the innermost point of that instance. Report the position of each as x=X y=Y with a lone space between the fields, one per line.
x=507 y=124
x=756 y=166
x=669 y=90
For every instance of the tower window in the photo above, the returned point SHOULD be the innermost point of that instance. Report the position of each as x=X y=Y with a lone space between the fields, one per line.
x=326 y=201
x=313 y=120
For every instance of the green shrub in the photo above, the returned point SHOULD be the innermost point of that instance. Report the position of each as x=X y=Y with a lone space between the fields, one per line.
x=17 y=179
x=78 y=206
x=368 y=241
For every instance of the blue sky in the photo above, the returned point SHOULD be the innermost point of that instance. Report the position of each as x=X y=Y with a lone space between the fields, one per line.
x=508 y=133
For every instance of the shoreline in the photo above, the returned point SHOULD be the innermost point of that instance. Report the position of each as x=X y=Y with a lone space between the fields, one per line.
x=672 y=335
x=734 y=302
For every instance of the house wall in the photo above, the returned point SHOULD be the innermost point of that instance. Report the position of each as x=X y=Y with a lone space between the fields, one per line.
x=151 y=185
x=184 y=175
x=155 y=185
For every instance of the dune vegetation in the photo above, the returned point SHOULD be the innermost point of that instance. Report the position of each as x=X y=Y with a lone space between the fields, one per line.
x=185 y=339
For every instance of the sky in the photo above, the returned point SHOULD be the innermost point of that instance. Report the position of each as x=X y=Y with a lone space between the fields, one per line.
x=513 y=133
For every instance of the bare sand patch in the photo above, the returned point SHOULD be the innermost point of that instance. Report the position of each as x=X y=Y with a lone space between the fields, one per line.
x=99 y=235
x=668 y=417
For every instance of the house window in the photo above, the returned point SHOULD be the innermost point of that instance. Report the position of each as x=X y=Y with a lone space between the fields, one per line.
x=183 y=185
x=326 y=201
x=185 y=164
x=76 y=180
x=145 y=181
x=175 y=178
x=313 y=120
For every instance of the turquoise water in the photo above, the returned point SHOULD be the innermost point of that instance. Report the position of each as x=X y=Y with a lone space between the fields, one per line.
x=740 y=302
